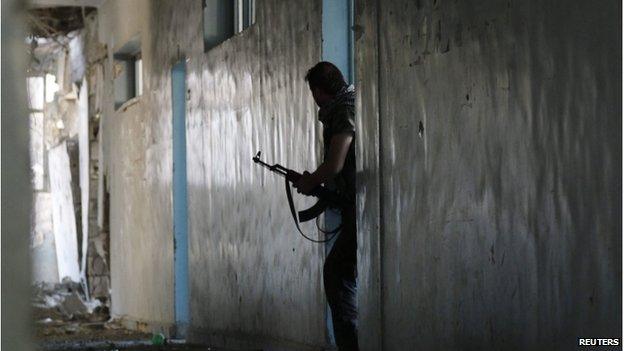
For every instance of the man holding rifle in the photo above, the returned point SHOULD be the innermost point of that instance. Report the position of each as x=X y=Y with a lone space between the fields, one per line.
x=336 y=103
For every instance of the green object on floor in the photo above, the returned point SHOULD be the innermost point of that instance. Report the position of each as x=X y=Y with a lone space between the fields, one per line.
x=158 y=339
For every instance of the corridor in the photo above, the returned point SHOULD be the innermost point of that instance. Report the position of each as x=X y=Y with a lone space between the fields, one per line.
x=463 y=162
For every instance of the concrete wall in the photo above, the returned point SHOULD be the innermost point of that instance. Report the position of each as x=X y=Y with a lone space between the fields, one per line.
x=495 y=226
x=137 y=160
x=63 y=216
x=84 y=173
x=43 y=247
x=16 y=186
x=500 y=226
x=43 y=250
x=252 y=278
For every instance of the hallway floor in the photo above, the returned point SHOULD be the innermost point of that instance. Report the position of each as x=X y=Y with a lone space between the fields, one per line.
x=55 y=332
x=63 y=322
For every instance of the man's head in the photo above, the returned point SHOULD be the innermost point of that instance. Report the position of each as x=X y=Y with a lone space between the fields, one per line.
x=325 y=81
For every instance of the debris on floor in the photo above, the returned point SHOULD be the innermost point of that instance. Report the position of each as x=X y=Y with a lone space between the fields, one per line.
x=62 y=314
x=132 y=345
x=66 y=321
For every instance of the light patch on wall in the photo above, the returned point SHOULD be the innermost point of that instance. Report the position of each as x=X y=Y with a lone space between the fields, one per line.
x=51 y=87
x=83 y=149
x=35 y=92
x=63 y=218
x=138 y=76
x=43 y=252
x=36 y=149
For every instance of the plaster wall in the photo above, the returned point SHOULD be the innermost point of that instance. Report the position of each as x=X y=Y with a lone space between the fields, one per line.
x=253 y=281
x=43 y=251
x=495 y=227
x=136 y=152
x=63 y=216
x=252 y=277
x=84 y=174
x=500 y=223
x=16 y=186
x=43 y=247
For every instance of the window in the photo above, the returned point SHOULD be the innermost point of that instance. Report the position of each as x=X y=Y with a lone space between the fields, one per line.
x=138 y=76
x=224 y=18
x=128 y=73
x=244 y=14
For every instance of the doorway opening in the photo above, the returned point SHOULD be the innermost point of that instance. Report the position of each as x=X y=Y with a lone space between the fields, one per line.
x=337 y=48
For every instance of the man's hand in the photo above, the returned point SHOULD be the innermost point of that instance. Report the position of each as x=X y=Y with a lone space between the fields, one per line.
x=338 y=148
x=306 y=183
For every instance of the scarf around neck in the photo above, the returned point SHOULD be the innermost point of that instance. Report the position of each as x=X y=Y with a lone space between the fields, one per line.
x=344 y=97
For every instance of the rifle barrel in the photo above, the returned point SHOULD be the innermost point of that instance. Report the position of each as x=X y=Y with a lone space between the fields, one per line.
x=276 y=168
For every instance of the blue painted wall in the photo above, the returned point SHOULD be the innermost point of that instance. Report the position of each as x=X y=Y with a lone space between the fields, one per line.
x=338 y=49
x=180 y=227
x=338 y=36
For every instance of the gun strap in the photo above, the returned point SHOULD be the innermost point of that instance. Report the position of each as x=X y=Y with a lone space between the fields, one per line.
x=293 y=212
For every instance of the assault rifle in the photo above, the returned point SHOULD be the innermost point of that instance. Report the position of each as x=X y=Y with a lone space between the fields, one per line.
x=327 y=198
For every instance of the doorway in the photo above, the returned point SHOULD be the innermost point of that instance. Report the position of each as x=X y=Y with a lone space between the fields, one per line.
x=180 y=214
x=337 y=48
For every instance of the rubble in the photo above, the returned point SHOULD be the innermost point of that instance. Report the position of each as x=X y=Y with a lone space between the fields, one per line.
x=66 y=296
x=65 y=320
x=65 y=302
x=73 y=305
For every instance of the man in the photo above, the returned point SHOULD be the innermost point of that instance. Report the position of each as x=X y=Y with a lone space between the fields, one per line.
x=336 y=103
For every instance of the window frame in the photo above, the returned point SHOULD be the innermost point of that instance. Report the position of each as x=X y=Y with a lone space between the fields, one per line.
x=243 y=17
x=131 y=58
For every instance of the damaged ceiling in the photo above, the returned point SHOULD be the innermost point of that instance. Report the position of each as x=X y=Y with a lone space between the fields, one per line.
x=55 y=33
x=48 y=22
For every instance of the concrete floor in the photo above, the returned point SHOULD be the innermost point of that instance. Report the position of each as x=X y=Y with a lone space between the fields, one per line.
x=127 y=346
x=55 y=331
x=78 y=335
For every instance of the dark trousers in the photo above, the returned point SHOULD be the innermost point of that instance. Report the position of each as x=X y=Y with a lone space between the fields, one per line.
x=339 y=277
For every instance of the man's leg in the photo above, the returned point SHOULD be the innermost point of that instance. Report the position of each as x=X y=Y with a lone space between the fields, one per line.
x=339 y=274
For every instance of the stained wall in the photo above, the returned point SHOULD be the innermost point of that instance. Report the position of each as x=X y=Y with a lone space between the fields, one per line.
x=494 y=226
x=499 y=220
x=16 y=184
x=253 y=280
x=252 y=276
x=136 y=153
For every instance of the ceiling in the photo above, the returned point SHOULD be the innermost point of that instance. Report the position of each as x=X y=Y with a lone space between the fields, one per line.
x=48 y=22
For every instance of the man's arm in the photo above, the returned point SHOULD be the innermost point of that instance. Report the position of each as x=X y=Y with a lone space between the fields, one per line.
x=338 y=148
